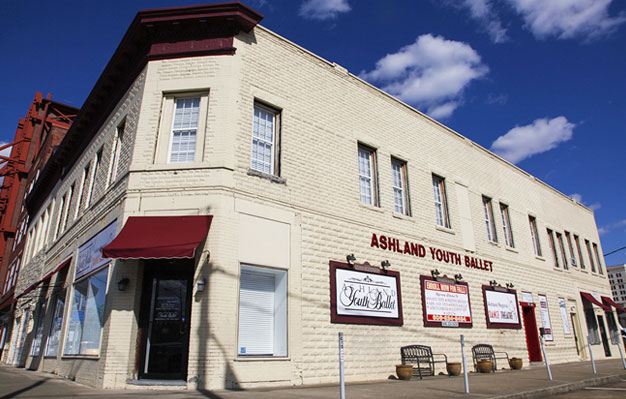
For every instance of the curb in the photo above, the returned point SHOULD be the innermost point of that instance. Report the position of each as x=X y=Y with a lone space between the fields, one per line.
x=564 y=388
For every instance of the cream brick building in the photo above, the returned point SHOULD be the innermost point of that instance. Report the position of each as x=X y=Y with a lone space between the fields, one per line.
x=201 y=112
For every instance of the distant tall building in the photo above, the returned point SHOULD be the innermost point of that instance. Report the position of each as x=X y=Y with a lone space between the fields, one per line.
x=617 y=279
x=37 y=136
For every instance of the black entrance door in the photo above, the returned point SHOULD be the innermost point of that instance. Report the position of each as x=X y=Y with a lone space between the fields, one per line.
x=165 y=320
x=605 y=341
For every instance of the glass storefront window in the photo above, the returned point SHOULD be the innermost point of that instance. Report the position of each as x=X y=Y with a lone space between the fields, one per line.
x=41 y=315
x=54 y=335
x=85 y=326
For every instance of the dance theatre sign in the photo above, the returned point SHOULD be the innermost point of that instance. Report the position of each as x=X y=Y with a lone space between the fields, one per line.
x=438 y=254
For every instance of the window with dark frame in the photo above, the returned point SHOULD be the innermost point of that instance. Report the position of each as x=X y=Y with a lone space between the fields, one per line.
x=400 y=187
x=570 y=245
x=368 y=184
x=534 y=235
x=553 y=247
x=489 y=220
x=580 y=252
x=506 y=226
x=597 y=253
x=593 y=264
x=265 y=152
x=441 y=202
x=559 y=238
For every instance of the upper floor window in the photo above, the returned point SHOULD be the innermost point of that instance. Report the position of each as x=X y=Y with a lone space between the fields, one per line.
x=400 y=187
x=441 y=202
x=368 y=186
x=489 y=221
x=92 y=180
x=553 y=247
x=506 y=225
x=593 y=265
x=184 y=130
x=117 y=145
x=559 y=238
x=265 y=139
x=570 y=246
x=534 y=235
x=597 y=253
x=580 y=252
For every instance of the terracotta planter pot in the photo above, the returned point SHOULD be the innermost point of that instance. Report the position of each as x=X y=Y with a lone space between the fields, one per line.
x=515 y=363
x=453 y=368
x=485 y=366
x=404 y=371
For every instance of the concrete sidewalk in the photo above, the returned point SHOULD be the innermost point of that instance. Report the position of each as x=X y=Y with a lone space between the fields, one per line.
x=528 y=383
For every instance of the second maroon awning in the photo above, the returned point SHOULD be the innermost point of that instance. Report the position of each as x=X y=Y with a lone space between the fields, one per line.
x=593 y=300
x=157 y=237
x=611 y=302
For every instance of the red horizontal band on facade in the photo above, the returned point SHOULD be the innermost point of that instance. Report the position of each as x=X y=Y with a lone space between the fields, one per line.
x=593 y=300
x=611 y=302
x=158 y=237
x=46 y=277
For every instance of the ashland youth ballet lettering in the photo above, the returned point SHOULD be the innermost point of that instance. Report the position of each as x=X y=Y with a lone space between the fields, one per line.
x=440 y=255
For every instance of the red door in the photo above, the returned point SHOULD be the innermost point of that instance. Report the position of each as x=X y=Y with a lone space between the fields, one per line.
x=530 y=327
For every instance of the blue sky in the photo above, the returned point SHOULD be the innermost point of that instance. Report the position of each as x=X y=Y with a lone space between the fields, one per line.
x=540 y=82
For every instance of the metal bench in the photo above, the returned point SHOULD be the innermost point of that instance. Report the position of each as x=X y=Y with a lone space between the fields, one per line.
x=422 y=359
x=486 y=352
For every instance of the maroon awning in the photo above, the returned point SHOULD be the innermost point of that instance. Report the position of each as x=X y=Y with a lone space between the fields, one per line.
x=593 y=300
x=156 y=237
x=611 y=302
x=46 y=277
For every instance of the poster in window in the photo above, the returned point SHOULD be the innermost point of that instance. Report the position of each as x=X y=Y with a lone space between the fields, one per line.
x=90 y=253
x=545 y=318
x=564 y=317
x=501 y=309
x=364 y=295
x=445 y=303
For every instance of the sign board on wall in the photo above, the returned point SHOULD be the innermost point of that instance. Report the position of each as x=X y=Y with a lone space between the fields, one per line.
x=365 y=296
x=501 y=308
x=563 y=308
x=90 y=253
x=445 y=303
x=545 y=317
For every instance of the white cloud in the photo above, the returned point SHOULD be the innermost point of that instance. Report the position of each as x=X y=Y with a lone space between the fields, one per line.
x=542 y=135
x=579 y=198
x=608 y=228
x=482 y=12
x=567 y=19
x=323 y=9
x=430 y=73
x=7 y=151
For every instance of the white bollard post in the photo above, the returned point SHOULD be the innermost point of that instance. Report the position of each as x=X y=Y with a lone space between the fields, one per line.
x=593 y=362
x=464 y=366
x=545 y=358
x=342 y=385
x=619 y=346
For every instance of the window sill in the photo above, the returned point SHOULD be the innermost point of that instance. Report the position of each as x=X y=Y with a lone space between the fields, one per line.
x=401 y=216
x=371 y=207
x=494 y=243
x=511 y=249
x=272 y=178
x=262 y=359
x=445 y=229
x=86 y=357
x=541 y=258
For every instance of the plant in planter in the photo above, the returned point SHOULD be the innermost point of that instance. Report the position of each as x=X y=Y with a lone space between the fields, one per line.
x=453 y=368
x=404 y=371
x=515 y=363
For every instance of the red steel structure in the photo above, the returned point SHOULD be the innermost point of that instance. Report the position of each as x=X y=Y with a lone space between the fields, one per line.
x=37 y=136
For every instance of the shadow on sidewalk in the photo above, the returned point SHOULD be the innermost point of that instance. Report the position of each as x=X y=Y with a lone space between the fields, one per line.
x=205 y=393
x=25 y=389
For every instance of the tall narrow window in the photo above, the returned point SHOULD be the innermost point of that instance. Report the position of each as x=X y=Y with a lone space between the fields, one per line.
x=441 y=202
x=570 y=246
x=553 y=247
x=400 y=187
x=580 y=252
x=559 y=238
x=593 y=265
x=117 y=145
x=368 y=186
x=92 y=179
x=597 y=253
x=262 y=312
x=66 y=212
x=81 y=191
x=506 y=226
x=265 y=128
x=184 y=130
x=534 y=235
x=489 y=220
x=59 y=216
